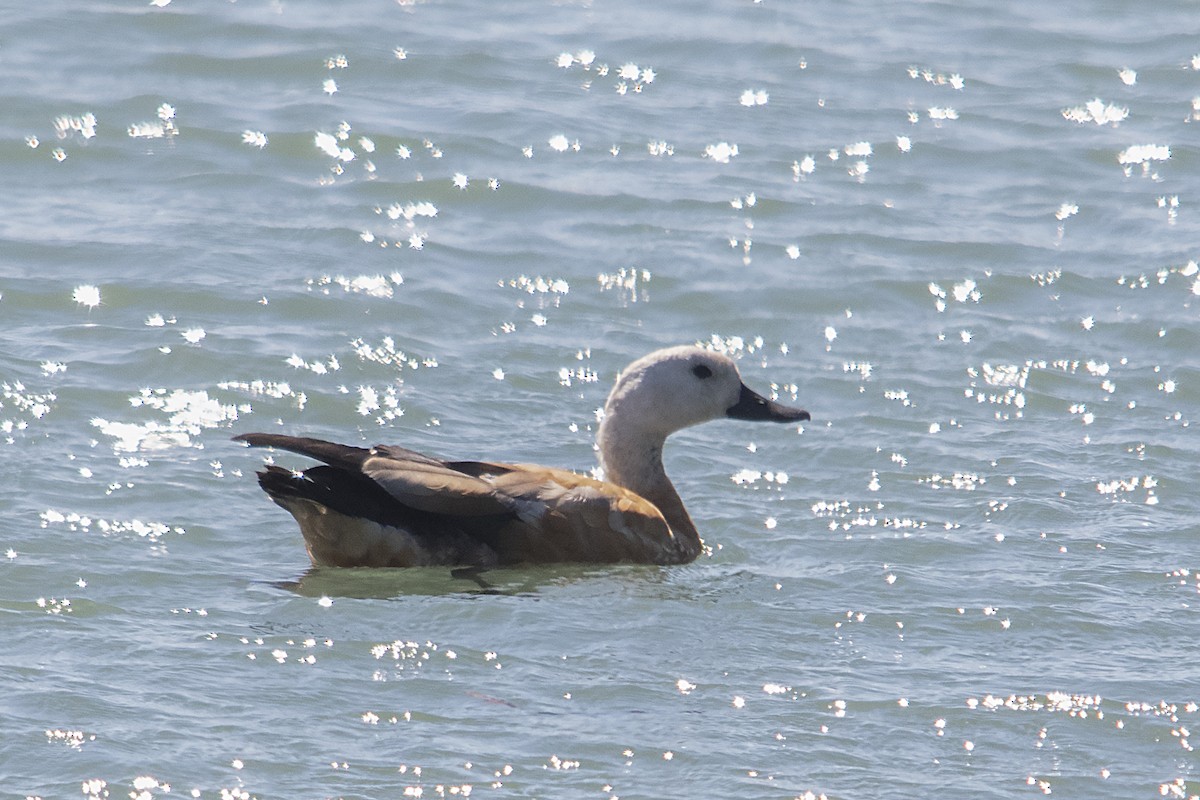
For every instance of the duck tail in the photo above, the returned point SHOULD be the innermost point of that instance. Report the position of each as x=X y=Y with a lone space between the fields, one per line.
x=335 y=455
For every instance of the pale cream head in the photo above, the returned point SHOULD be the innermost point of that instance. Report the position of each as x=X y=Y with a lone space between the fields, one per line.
x=678 y=387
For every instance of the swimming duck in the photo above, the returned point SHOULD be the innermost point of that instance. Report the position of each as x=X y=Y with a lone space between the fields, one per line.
x=386 y=506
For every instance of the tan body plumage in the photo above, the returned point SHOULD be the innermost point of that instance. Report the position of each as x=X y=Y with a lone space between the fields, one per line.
x=391 y=507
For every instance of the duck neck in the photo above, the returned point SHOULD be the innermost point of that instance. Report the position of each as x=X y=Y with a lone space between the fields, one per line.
x=633 y=460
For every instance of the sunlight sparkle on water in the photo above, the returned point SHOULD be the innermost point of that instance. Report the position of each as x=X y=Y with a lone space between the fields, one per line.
x=329 y=145
x=804 y=167
x=86 y=295
x=1143 y=154
x=954 y=80
x=1096 y=111
x=752 y=97
x=721 y=152
x=156 y=130
x=254 y=138
x=66 y=126
x=1066 y=210
x=187 y=414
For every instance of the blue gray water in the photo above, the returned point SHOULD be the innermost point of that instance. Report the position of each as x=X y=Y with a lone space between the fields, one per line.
x=963 y=235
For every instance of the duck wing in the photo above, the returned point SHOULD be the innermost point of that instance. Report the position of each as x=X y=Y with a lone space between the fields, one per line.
x=390 y=506
x=566 y=516
x=414 y=479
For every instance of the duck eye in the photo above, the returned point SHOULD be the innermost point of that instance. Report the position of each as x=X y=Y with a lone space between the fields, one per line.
x=701 y=371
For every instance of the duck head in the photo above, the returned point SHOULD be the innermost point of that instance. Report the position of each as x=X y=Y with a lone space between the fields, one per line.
x=678 y=387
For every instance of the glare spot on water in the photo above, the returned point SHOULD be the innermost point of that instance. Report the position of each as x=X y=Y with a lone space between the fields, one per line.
x=410 y=210
x=630 y=284
x=954 y=80
x=721 y=152
x=156 y=130
x=803 y=168
x=1145 y=155
x=1066 y=210
x=187 y=414
x=330 y=145
x=939 y=293
x=255 y=138
x=86 y=295
x=84 y=125
x=752 y=97
x=1046 y=278
x=1096 y=111
x=863 y=368
x=1171 y=204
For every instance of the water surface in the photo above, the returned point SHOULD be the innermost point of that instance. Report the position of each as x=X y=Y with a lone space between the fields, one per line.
x=961 y=235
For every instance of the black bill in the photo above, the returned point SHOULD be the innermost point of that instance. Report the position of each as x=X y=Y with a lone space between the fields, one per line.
x=754 y=407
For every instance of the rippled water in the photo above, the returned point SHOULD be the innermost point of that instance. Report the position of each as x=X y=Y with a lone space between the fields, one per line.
x=961 y=235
